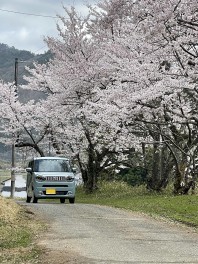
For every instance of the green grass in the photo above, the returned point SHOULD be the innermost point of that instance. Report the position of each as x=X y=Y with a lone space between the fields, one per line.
x=15 y=244
x=18 y=228
x=19 y=237
x=183 y=209
x=4 y=175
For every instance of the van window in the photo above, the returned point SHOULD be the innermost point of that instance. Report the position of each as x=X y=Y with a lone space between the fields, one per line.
x=30 y=164
x=52 y=165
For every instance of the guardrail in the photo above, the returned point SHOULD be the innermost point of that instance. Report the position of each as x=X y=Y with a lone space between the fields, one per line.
x=2 y=183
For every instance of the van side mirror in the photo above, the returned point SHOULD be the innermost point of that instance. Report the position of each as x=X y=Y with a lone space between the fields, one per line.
x=74 y=169
x=29 y=170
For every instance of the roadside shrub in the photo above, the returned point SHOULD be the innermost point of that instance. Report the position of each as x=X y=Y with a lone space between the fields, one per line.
x=134 y=176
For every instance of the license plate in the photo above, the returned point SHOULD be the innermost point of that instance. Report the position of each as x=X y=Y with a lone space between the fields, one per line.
x=50 y=191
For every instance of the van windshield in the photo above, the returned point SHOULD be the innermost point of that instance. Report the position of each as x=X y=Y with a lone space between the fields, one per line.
x=52 y=165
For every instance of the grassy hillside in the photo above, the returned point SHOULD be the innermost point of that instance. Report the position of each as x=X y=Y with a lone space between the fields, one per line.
x=17 y=229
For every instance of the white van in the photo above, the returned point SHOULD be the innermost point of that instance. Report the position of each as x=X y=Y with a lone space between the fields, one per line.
x=50 y=177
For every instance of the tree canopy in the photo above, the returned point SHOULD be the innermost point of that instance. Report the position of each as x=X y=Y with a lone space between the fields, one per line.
x=121 y=88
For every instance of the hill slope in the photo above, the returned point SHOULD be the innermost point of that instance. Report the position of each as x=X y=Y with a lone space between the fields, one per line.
x=25 y=58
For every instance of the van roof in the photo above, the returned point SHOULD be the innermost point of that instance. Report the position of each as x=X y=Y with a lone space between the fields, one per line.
x=41 y=158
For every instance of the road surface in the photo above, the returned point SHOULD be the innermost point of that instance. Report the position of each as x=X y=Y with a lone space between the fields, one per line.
x=93 y=234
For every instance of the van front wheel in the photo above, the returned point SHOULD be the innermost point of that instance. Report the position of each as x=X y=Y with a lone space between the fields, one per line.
x=72 y=200
x=35 y=199
x=28 y=199
x=62 y=200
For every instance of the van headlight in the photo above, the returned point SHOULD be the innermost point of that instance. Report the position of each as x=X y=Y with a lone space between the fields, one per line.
x=40 y=178
x=70 y=178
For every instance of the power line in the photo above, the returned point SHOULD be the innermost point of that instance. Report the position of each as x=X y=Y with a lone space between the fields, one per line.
x=29 y=14
x=40 y=49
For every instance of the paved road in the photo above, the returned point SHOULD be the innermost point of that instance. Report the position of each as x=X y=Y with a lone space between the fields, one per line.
x=104 y=235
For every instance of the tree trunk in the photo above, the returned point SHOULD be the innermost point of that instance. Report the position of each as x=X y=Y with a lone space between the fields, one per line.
x=153 y=181
x=162 y=165
x=182 y=185
x=92 y=173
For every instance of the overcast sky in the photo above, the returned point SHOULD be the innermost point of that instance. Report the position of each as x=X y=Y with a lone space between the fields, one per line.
x=26 y=32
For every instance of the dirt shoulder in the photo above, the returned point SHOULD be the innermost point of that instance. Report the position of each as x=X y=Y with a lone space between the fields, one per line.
x=18 y=228
x=48 y=255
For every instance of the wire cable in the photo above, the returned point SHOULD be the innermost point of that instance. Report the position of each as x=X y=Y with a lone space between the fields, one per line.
x=29 y=14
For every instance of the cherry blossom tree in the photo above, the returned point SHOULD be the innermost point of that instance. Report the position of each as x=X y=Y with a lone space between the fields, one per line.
x=21 y=124
x=71 y=81
x=124 y=75
x=165 y=60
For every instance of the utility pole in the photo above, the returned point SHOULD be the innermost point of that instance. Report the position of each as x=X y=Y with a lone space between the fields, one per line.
x=13 y=143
